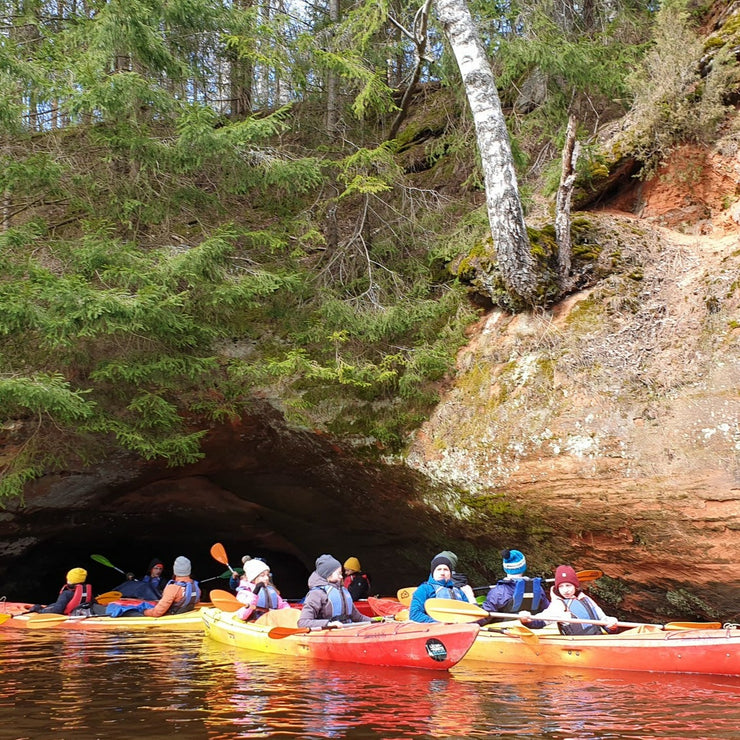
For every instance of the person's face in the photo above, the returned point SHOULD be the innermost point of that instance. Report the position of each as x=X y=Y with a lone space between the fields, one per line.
x=336 y=576
x=442 y=573
x=263 y=577
x=157 y=570
x=567 y=590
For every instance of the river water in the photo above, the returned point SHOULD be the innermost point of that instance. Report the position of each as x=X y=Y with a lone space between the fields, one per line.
x=75 y=686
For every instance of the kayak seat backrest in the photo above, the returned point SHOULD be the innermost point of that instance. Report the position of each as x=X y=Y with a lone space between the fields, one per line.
x=279 y=618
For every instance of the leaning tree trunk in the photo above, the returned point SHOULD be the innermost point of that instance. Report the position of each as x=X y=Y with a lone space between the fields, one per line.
x=505 y=213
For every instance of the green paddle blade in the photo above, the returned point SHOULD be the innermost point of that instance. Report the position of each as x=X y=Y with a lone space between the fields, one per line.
x=102 y=560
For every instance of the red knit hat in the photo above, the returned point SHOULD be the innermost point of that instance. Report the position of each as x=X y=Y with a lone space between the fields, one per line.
x=566 y=574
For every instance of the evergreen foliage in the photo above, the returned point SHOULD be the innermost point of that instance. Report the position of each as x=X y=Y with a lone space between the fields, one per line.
x=168 y=255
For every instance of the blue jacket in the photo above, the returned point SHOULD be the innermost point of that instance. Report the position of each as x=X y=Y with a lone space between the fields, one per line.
x=429 y=590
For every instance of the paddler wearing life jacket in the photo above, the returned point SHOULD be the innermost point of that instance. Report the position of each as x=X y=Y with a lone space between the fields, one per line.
x=328 y=603
x=355 y=580
x=256 y=592
x=75 y=598
x=439 y=585
x=515 y=592
x=180 y=595
x=567 y=600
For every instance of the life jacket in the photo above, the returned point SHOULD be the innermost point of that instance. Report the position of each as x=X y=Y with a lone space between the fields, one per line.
x=268 y=598
x=189 y=600
x=358 y=584
x=81 y=598
x=526 y=595
x=340 y=600
x=448 y=592
x=580 y=609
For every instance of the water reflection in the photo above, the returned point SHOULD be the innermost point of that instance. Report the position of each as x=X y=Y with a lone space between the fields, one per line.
x=88 y=685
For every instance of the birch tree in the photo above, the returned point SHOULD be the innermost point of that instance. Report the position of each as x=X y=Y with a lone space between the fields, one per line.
x=505 y=214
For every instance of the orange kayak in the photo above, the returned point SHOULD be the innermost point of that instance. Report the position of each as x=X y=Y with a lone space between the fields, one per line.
x=434 y=646
x=707 y=651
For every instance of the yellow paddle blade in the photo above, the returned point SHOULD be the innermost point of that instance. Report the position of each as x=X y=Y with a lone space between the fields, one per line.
x=402 y=616
x=454 y=611
x=39 y=621
x=524 y=633
x=404 y=595
x=4 y=618
x=108 y=597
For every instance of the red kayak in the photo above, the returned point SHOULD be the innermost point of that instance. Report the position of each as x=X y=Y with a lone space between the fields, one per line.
x=402 y=644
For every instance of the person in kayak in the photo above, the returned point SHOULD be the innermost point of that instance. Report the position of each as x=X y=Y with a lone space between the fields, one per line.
x=75 y=598
x=515 y=592
x=256 y=591
x=459 y=579
x=439 y=585
x=180 y=595
x=355 y=581
x=567 y=600
x=155 y=575
x=328 y=603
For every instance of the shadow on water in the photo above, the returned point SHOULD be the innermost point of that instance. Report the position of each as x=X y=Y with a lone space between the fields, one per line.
x=86 y=685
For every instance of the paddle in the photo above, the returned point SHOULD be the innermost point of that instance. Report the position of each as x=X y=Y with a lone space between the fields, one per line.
x=218 y=553
x=451 y=610
x=5 y=617
x=584 y=576
x=404 y=595
x=225 y=601
x=225 y=574
x=104 y=561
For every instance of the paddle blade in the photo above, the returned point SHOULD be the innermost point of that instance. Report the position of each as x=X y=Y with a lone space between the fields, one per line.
x=587 y=576
x=37 y=621
x=524 y=633
x=451 y=610
x=693 y=626
x=278 y=633
x=225 y=601
x=218 y=553
x=405 y=595
x=4 y=618
x=108 y=597
x=102 y=560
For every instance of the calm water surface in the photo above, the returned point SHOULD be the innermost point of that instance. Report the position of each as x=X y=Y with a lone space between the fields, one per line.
x=62 y=684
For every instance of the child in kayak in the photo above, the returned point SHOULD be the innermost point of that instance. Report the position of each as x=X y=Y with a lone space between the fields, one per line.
x=75 y=598
x=515 y=592
x=328 y=604
x=256 y=592
x=355 y=581
x=567 y=600
x=439 y=585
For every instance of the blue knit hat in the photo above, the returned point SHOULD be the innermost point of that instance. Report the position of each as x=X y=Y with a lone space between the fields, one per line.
x=514 y=562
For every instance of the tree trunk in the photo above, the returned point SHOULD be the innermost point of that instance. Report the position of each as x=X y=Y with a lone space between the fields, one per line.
x=571 y=150
x=332 y=104
x=505 y=214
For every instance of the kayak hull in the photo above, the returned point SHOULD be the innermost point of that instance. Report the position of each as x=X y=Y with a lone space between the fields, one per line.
x=711 y=652
x=188 y=622
x=398 y=644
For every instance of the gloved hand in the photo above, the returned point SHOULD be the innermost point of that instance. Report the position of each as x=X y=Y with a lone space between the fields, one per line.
x=257 y=588
x=610 y=622
x=484 y=621
x=524 y=616
x=35 y=609
x=334 y=625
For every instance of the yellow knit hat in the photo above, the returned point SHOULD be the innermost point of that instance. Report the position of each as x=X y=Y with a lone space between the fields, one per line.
x=76 y=575
x=352 y=564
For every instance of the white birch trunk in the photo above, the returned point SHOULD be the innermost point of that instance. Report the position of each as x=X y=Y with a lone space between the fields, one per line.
x=505 y=213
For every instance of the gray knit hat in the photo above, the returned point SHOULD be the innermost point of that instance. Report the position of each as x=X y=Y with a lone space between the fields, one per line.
x=181 y=566
x=326 y=565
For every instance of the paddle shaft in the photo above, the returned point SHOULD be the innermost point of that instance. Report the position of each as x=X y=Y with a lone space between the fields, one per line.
x=584 y=576
x=218 y=553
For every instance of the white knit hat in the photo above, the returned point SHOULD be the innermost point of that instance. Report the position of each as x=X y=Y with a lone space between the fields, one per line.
x=254 y=568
